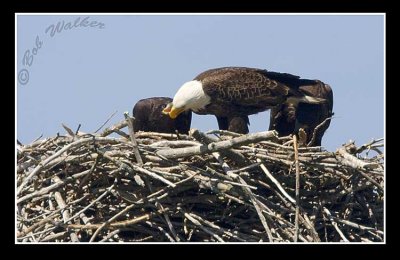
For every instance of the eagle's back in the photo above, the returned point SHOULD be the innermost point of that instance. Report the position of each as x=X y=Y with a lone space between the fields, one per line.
x=249 y=86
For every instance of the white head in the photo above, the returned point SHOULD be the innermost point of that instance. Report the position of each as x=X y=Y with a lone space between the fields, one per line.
x=190 y=96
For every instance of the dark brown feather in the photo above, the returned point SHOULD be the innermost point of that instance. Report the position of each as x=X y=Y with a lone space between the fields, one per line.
x=148 y=117
x=237 y=92
x=288 y=120
x=247 y=91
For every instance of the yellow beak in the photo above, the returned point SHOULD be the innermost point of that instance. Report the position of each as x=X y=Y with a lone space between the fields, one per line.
x=167 y=109
x=175 y=112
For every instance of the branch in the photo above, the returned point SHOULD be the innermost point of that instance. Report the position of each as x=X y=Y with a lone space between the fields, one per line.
x=131 y=128
x=75 y=144
x=217 y=146
x=296 y=158
x=115 y=128
x=206 y=139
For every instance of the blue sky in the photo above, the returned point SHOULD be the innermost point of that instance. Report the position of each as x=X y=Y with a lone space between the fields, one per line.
x=81 y=75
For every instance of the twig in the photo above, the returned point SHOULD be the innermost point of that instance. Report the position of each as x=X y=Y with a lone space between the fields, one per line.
x=259 y=211
x=70 y=146
x=87 y=176
x=52 y=187
x=110 y=235
x=350 y=160
x=166 y=217
x=54 y=236
x=296 y=158
x=230 y=153
x=77 y=129
x=108 y=119
x=69 y=131
x=37 y=224
x=276 y=182
x=92 y=203
x=114 y=128
x=62 y=205
x=129 y=167
x=335 y=225
x=130 y=122
x=119 y=224
x=369 y=145
x=197 y=223
x=227 y=169
x=212 y=225
x=217 y=146
x=224 y=132
x=316 y=129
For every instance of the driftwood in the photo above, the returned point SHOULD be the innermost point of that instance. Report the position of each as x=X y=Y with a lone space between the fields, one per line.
x=214 y=187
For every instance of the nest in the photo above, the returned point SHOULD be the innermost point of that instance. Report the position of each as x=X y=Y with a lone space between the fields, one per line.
x=205 y=187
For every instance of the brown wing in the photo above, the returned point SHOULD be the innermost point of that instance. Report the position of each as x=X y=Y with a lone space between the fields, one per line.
x=244 y=86
x=307 y=116
x=319 y=90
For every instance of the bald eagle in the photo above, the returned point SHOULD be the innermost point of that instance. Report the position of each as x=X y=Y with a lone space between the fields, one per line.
x=233 y=93
x=148 y=117
x=286 y=119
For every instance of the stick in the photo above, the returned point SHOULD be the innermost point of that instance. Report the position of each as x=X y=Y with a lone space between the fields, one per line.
x=131 y=122
x=93 y=202
x=197 y=223
x=129 y=167
x=52 y=187
x=217 y=146
x=224 y=132
x=106 y=122
x=62 y=205
x=350 y=160
x=222 y=230
x=334 y=224
x=316 y=129
x=245 y=186
x=126 y=209
x=259 y=211
x=296 y=158
x=230 y=153
x=166 y=217
x=38 y=224
x=276 y=182
x=70 y=146
x=69 y=131
x=54 y=236
x=119 y=224
x=114 y=128
x=110 y=235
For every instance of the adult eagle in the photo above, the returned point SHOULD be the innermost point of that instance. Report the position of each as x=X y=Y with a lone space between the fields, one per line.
x=288 y=120
x=148 y=117
x=233 y=93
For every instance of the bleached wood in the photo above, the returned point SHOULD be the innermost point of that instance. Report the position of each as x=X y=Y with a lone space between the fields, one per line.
x=217 y=146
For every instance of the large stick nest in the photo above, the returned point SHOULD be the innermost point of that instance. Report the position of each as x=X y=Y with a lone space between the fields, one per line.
x=211 y=187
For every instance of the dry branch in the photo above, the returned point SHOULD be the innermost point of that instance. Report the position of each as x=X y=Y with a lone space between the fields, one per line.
x=217 y=146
